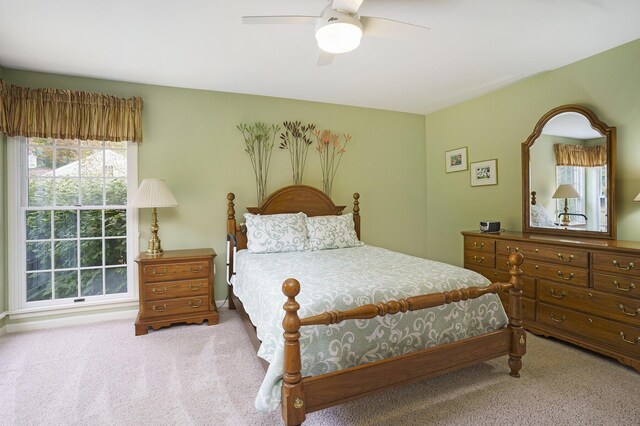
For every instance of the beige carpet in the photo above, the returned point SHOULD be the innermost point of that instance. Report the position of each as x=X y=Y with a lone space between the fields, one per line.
x=103 y=374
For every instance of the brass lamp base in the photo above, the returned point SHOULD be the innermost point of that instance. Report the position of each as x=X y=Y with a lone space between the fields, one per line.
x=154 y=248
x=566 y=219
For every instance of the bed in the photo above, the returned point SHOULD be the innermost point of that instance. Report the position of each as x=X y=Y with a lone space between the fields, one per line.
x=476 y=329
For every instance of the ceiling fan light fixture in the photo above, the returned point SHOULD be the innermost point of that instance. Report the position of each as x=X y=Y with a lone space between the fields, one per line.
x=338 y=32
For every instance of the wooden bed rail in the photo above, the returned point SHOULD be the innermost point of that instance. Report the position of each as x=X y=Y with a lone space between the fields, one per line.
x=293 y=399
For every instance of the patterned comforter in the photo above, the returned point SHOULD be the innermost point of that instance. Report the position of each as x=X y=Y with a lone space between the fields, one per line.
x=342 y=279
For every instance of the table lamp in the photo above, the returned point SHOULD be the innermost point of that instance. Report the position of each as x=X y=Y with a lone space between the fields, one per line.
x=153 y=193
x=566 y=191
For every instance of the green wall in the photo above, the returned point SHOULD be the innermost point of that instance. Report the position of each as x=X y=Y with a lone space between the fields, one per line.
x=191 y=140
x=3 y=220
x=495 y=125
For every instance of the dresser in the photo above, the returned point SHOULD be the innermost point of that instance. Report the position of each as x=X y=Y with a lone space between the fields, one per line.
x=176 y=287
x=583 y=291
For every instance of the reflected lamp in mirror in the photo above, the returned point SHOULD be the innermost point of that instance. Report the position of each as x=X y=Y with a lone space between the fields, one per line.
x=637 y=198
x=566 y=191
x=153 y=193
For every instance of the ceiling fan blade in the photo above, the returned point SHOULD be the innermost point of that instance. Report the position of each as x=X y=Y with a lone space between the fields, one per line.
x=389 y=28
x=292 y=19
x=324 y=58
x=350 y=6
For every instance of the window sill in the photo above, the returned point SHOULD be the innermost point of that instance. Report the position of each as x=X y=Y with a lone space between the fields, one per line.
x=59 y=310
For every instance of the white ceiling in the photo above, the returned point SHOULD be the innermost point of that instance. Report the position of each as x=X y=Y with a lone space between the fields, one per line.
x=473 y=47
x=570 y=125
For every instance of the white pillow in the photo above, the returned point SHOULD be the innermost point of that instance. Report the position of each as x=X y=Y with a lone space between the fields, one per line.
x=331 y=232
x=276 y=233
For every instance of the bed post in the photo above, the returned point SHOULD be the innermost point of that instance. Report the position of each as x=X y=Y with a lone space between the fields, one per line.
x=231 y=230
x=518 y=336
x=356 y=213
x=293 y=411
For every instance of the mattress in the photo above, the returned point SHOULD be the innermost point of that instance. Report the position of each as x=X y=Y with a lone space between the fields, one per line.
x=343 y=279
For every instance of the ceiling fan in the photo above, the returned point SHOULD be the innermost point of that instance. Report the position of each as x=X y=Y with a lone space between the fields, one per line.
x=339 y=28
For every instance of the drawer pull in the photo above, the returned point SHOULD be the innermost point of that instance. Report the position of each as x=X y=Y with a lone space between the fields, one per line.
x=195 y=287
x=516 y=250
x=195 y=270
x=159 y=308
x=561 y=257
x=537 y=250
x=160 y=290
x=559 y=295
x=632 y=313
x=553 y=318
x=478 y=259
x=193 y=305
x=163 y=272
x=623 y=268
x=631 y=286
x=561 y=275
x=475 y=245
x=631 y=342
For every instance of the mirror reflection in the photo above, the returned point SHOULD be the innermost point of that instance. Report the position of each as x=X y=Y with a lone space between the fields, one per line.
x=568 y=175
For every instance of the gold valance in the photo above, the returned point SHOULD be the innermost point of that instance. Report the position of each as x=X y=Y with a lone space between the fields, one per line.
x=67 y=114
x=581 y=156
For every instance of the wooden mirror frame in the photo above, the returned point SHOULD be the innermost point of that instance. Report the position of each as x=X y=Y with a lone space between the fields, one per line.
x=609 y=133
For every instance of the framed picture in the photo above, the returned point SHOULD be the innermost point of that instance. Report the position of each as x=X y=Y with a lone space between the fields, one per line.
x=484 y=173
x=456 y=160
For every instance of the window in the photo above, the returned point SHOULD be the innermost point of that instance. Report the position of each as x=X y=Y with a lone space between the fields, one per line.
x=74 y=230
x=575 y=176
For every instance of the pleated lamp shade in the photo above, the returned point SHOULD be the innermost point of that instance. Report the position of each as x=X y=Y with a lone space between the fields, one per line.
x=566 y=191
x=637 y=198
x=153 y=193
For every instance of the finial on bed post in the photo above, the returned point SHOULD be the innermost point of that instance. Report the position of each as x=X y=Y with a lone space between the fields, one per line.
x=518 y=336
x=293 y=411
x=356 y=213
x=231 y=214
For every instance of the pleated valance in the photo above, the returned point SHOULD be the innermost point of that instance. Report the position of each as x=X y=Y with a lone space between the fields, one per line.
x=581 y=156
x=68 y=114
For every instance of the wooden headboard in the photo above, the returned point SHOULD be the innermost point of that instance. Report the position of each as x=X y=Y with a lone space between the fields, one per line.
x=290 y=199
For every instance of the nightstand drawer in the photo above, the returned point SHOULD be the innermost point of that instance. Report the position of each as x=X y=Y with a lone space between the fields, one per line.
x=175 y=289
x=561 y=255
x=485 y=245
x=625 y=286
x=175 y=271
x=590 y=302
x=167 y=307
x=479 y=258
x=604 y=331
x=625 y=265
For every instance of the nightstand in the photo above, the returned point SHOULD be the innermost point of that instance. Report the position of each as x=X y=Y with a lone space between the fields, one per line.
x=176 y=287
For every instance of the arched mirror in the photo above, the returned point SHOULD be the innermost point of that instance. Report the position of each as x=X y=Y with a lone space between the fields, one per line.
x=568 y=175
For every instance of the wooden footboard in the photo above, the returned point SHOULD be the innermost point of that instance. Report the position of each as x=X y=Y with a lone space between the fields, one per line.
x=304 y=395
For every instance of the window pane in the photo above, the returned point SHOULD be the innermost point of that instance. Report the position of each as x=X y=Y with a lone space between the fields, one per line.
x=38 y=225
x=115 y=164
x=91 y=282
x=40 y=141
x=90 y=253
x=116 y=192
x=38 y=256
x=66 y=283
x=115 y=223
x=66 y=162
x=118 y=145
x=116 y=280
x=116 y=251
x=90 y=223
x=65 y=254
x=92 y=163
x=40 y=160
x=67 y=193
x=40 y=192
x=92 y=192
x=67 y=143
x=38 y=286
x=91 y=144
x=65 y=223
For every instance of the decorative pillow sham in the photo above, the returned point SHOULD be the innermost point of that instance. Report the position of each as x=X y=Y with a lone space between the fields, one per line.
x=331 y=232
x=276 y=233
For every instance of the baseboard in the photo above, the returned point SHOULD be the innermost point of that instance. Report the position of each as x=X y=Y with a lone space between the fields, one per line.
x=3 y=324
x=71 y=320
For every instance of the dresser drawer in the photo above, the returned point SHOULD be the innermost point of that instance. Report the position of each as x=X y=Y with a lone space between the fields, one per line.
x=495 y=276
x=176 y=271
x=603 y=331
x=479 y=258
x=619 y=264
x=561 y=255
x=561 y=273
x=590 y=302
x=528 y=306
x=167 y=307
x=626 y=286
x=485 y=245
x=175 y=289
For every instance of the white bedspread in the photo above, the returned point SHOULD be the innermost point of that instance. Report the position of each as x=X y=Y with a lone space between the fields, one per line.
x=343 y=279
